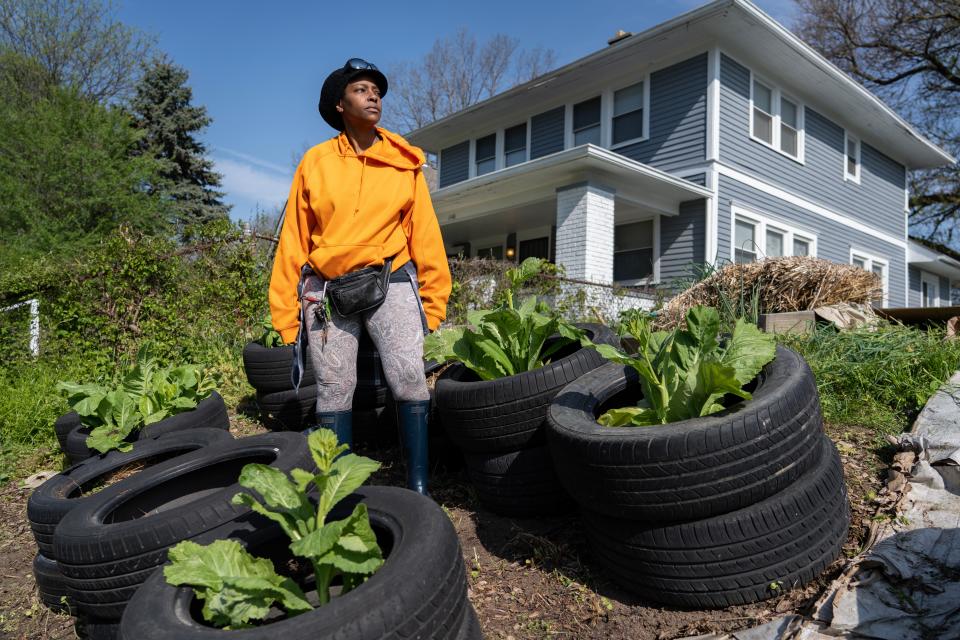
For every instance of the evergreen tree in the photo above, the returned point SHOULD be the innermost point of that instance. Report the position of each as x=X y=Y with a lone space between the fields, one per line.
x=162 y=111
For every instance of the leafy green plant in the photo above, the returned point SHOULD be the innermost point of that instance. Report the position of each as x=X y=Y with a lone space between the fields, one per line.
x=270 y=337
x=235 y=586
x=237 y=589
x=506 y=340
x=686 y=373
x=147 y=393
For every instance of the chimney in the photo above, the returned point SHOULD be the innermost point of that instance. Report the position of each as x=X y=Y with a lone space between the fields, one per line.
x=618 y=36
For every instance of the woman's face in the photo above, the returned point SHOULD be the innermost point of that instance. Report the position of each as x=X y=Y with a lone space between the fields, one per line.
x=360 y=104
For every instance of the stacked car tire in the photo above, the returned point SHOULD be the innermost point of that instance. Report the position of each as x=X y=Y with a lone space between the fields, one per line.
x=725 y=509
x=499 y=425
x=211 y=412
x=283 y=409
x=80 y=485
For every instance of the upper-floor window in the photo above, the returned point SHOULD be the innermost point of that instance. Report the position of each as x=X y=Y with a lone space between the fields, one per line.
x=756 y=237
x=874 y=265
x=586 y=122
x=515 y=145
x=628 y=113
x=776 y=120
x=485 y=154
x=851 y=157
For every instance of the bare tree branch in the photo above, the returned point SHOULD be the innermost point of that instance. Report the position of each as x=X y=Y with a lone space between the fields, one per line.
x=78 y=43
x=908 y=53
x=458 y=72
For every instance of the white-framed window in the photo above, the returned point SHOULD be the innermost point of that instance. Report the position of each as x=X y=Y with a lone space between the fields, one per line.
x=776 y=119
x=485 y=154
x=635 y=250
x=873 y=264
x=586 y=122
x=494 y=253
x=851 y=157
x=756 y=236
x=515 y=145
x=630 y=116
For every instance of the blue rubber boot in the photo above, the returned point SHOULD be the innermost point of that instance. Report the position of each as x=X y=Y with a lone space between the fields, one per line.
x=412 y=419
x=340 y=422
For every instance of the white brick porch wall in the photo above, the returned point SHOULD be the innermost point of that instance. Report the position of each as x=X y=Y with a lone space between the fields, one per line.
x=585 y=214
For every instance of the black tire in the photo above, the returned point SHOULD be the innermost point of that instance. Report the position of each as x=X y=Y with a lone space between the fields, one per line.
x=211 y=412
x=288 y=410
x=689 y=469
x=519 y=483
x=268 y=368
x=52 y=590
x=420 y=592
x=56 y=497
x=113 y=541
x=94 y=629
x=496 y=416
x=785 y=540
x=64 y=425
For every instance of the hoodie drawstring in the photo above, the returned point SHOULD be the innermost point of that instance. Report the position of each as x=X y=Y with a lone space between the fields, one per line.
x=360 y=188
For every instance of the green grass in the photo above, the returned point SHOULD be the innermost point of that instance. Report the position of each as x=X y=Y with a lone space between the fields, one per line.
x=30 y=403
x=879 y=379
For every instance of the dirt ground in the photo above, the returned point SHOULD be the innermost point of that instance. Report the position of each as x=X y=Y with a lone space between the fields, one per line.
x=529 y=578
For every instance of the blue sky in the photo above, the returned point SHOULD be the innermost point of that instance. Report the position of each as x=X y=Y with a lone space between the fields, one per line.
x=257 y=66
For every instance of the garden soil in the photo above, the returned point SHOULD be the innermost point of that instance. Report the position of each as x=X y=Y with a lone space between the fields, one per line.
x=528 y=578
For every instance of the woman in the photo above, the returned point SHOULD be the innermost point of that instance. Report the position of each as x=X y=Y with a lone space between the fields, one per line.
x=357 y=201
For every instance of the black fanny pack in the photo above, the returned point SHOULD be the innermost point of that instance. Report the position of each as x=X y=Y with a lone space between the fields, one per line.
x=361 y=290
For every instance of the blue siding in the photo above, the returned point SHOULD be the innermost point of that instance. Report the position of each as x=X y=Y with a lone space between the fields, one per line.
x=682 y=240
x=455 y=163
x=876 y=201
x=834 y=240
x=678 y=117
x=547 y=133
x=913 y=299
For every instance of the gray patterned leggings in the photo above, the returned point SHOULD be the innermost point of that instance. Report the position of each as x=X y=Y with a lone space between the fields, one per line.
x=396 y=329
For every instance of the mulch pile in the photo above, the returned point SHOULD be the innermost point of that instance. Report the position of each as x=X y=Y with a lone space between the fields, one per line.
x=776 y=285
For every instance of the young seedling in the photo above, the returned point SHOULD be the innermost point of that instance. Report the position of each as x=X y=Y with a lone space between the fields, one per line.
x=237 y=587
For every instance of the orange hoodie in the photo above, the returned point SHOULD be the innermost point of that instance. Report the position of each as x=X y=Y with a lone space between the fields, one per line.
x=346 y=212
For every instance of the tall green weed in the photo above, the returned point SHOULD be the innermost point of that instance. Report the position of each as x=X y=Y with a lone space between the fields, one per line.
x=879 y=379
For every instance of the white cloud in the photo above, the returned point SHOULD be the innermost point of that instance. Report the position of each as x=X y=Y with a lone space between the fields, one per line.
x=244 y=180
x=253 y=160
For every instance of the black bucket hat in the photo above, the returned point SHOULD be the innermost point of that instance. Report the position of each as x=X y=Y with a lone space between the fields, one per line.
x=338 y=80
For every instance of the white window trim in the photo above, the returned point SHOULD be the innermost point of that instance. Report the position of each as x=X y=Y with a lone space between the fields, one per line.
x=870 y=261
x=497 y=152
x=569 y=136
x=655 y=278
x=760 y=233
x=930 y=278
x=502 y=149
x=776 y=94
x=854 y=177
x=606 y=113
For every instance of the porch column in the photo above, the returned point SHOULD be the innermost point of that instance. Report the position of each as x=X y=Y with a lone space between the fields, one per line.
x=585 y=214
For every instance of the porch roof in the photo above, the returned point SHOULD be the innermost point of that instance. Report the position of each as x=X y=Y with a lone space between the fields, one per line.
x=537 y=180
x=933 y=261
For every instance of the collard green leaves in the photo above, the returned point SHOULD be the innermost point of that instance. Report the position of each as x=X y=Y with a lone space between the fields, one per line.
x=235 y=586
x=506 y=340
x=147 y=393
x=686 y=373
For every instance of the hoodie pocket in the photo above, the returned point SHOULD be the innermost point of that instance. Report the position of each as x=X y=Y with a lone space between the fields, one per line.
x=333 y=260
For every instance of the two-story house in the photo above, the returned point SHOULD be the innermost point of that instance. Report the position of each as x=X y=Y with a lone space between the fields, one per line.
x=718 y=135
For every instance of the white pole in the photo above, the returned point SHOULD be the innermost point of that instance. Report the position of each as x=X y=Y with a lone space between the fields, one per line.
x=34 y=322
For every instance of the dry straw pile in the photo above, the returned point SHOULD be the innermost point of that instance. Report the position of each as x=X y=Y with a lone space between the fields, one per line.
x=775 y=285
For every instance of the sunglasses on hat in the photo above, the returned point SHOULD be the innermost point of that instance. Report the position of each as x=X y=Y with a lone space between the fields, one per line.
x=359 y=64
